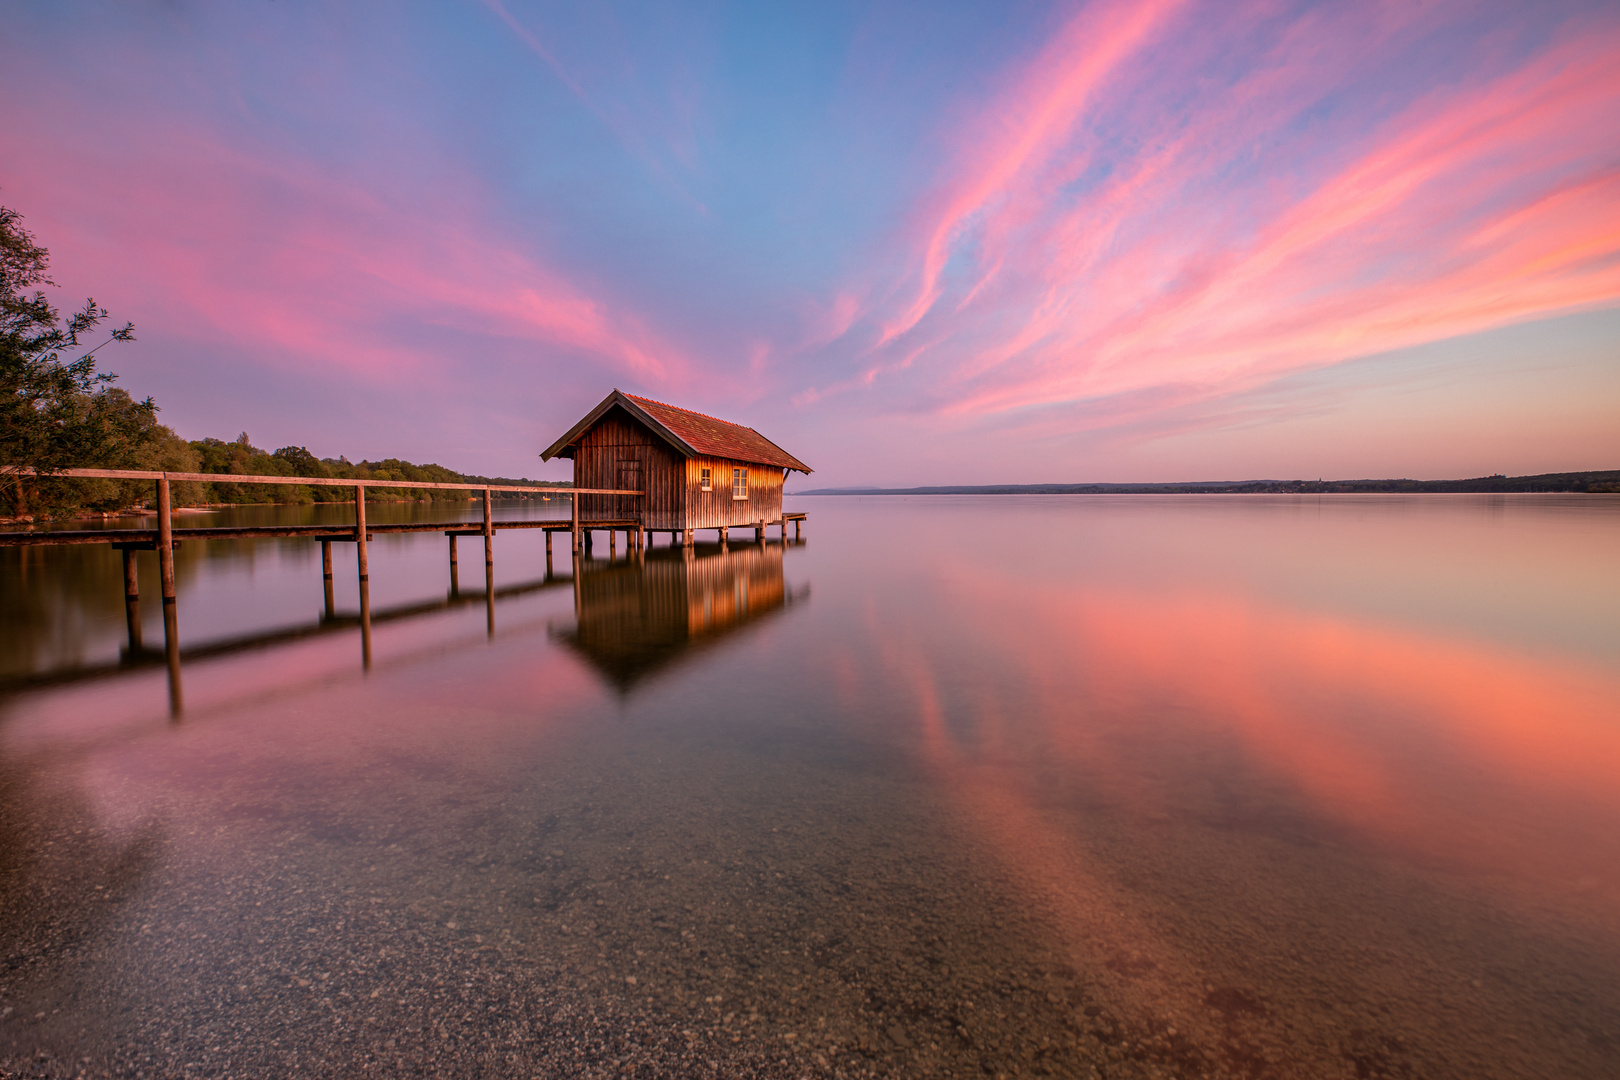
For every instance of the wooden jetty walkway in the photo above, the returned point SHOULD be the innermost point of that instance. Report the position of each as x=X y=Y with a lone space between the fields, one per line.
x=165 y=538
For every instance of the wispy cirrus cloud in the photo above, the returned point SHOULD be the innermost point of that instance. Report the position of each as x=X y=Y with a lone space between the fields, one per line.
x=325 y=274
x=1130 y=219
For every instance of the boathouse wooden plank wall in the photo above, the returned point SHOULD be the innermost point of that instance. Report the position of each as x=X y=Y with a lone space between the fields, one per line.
x=623 y=453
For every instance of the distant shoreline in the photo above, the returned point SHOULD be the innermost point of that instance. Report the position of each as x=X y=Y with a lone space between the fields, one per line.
x=1593 y=482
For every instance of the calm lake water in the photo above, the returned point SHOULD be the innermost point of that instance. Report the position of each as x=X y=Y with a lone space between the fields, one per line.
x=979 y=786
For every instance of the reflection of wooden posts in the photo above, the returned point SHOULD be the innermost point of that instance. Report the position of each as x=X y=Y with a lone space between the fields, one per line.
x=455 y=581
x=171 y=653
x=365 y=623
x=489 y=545
x=165 y=541
x=362 y=561
x=132 y=600
x=326 y=577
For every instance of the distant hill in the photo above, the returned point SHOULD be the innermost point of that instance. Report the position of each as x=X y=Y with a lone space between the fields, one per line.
x=1605 y=481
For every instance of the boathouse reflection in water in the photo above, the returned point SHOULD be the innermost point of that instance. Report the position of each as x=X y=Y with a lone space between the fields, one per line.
x=639 y=616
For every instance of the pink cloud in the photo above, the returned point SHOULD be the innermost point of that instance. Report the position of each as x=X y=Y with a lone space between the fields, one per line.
x=319 y=272
x=1189 y=268
x=1026 y=126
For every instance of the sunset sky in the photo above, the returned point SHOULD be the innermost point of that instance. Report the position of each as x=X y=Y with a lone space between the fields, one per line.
x=912 y=243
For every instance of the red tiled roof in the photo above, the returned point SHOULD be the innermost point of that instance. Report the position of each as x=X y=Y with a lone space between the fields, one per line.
x=718 y=438
x=689 y=432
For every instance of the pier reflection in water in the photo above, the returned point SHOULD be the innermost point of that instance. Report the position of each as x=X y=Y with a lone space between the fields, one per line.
x=1195 y=787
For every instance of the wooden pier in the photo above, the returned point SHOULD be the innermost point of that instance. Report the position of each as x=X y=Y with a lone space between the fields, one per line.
x=164 y=539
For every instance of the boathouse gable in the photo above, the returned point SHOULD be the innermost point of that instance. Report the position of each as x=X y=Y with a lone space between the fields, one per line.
x=696 y=472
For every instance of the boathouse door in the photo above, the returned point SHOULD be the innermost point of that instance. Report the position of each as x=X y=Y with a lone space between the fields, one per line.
x=628 y=506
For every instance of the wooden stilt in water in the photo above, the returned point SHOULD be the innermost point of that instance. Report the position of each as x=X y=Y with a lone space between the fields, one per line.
x=724 y=538
x=455 y=570
x=573 y=501
x=548 y=545
x=165 y=540
x=326 y=577
x=489 y=606
x=613 y=542
x=362 y=560
x=171 y=616
x=489 y=545
x=132 y=601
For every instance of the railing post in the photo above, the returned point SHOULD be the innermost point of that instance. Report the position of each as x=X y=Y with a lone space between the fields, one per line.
x=489 y=545
x=362 y=560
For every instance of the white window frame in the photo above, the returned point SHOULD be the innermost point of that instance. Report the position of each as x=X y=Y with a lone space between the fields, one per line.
x=706 y=479
x=739 y=483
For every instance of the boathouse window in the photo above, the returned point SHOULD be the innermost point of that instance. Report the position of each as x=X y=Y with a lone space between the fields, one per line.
x=739 y=483
x=707 y=479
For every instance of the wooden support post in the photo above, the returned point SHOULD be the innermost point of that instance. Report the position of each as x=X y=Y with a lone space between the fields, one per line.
x=574 y=502
x=165 y=540
x=455 y=569
x=362 y=560
x=489 y=606
x=326 y=577
x=132 y=601
x=613 y=542
x=588 y=541
x=724 y=538
x=548 y=545
x=798 y=524
x=489 y=545
x=689 y=537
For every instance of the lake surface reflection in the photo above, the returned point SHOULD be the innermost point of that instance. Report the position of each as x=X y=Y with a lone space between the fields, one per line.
x=1123 y=787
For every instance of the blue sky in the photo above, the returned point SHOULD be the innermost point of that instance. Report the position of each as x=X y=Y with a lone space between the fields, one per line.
x=912 y=243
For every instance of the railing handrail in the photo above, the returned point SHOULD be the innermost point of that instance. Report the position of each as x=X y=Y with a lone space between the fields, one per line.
x=309 y=481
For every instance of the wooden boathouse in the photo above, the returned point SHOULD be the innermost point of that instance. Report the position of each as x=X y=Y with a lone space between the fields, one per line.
x=694 y=471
